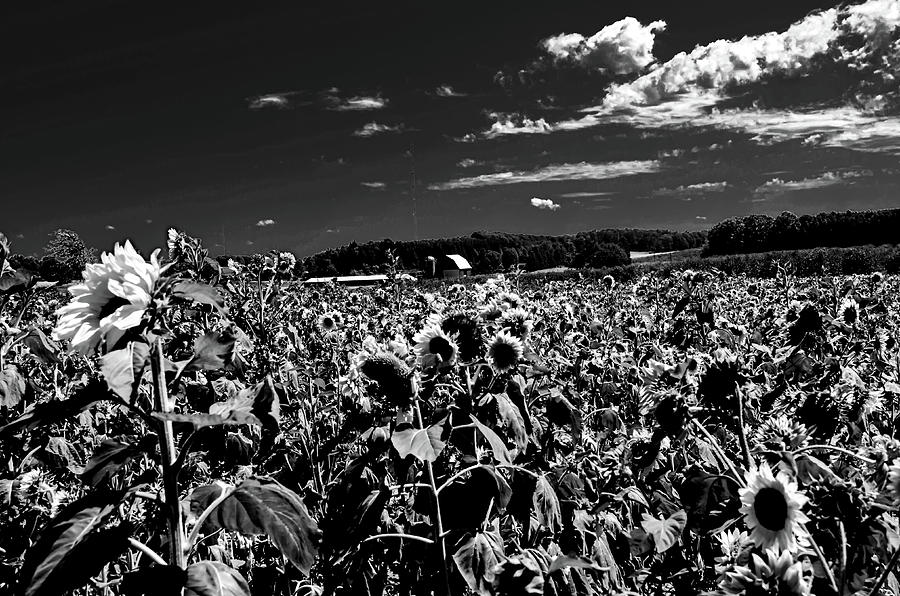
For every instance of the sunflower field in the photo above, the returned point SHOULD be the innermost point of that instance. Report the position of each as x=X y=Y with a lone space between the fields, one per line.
x=169 y=426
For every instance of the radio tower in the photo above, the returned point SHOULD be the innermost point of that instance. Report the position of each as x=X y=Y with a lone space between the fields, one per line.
x=412 y=192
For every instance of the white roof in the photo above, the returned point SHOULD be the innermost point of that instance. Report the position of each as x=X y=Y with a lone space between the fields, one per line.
x=460 y=262
x=345 y=279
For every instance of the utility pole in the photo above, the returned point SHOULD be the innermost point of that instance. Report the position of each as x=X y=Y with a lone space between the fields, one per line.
x=412 y=192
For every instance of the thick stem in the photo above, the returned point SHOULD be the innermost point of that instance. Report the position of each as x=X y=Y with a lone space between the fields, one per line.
x=167 y=455
x=436 y=516
x=884 y=574
x=742 y=430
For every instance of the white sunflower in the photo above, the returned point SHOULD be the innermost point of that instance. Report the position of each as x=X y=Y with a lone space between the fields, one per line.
x=849 y=311
x=111 y=300
x=435 y=348
x=771 y=507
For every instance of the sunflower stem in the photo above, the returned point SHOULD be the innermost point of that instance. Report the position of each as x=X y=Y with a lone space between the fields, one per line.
x=887 y=570
x=437 y=519
x=834 y=448
x=742 y=431
x=825 y=565
x=718 y=450
x=168 y=457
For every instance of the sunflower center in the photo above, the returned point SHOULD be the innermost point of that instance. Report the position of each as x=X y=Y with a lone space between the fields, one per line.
x=112 y=306
x=328 y=322
x=441 y=347
x=771 y=509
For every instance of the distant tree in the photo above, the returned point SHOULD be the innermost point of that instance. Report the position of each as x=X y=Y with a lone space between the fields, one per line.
x=65 y=256
x=608 y=255
x=491 y=261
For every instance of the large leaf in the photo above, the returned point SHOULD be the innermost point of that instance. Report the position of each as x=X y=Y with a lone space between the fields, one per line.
x=546 y=504
x=15 y=280
x=512 y=420
x=123 y=368
x=158 y=580
x=202 y=293
x=665 y=532
x=70 y=549
x=501 y=452
x=262 y=506
x=210 y=578
x=423 y=443
x=476 y=559
x=12 y=386
x=212 y=352
x=257 y=406
x=42 y=347
x=109 y=456
x=57 y=411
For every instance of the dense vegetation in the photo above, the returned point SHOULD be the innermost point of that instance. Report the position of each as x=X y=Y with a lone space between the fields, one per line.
x=168 y=429
x=758 y=233
x=489 y=252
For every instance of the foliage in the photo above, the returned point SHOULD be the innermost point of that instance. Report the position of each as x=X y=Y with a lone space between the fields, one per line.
x=679 y=432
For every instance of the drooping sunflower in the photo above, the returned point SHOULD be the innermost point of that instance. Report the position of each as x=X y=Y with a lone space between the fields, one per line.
x=504 y=352
x=393 y=376
x=467 y=334
x=112 y=299
x=435 y=348
x=771 y=507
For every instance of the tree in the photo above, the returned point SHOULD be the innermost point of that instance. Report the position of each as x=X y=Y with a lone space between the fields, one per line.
x=65 y=255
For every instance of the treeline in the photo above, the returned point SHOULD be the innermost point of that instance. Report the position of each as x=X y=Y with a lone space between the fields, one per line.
x=759 y=233
x=492 y=251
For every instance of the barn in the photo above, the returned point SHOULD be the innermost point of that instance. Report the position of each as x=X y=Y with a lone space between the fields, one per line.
x=449 y=266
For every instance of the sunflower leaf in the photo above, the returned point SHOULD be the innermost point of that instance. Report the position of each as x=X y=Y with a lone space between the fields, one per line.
x=501 y=452
x=423 y=443
x=666 y=532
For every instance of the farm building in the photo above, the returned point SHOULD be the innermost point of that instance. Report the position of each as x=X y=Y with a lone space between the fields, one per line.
x=349 y=280
x=449 y=266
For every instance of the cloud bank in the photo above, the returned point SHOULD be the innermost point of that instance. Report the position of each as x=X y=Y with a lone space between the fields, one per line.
x=374 y=128
x=553 y=173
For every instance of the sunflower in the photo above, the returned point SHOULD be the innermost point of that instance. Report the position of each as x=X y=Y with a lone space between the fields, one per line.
x=435 y=348
x=849 y=311
x=609 y=281
x=771 y=508
x=504 y=352
x=467 y=334
x=778 y=574
x=392 y=375
x=328 y=323
x=517 y=322
x=112 y=299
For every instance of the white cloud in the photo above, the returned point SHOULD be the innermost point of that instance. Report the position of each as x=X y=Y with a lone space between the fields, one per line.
x=544 y=204
x=700 y=218
x=272 y=100
x=264 y=223
x=585 y=195
x=700 y=187
x=777 y=186
x=468 y=162
x=109 y=227
x=624 y=47
x=553 y=173
x=448 y=91
x=515 y=124
x=377 y=185
x=373 y=128
x=360 y=103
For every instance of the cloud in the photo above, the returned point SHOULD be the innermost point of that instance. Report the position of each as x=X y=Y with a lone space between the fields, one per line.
x=700 y=187
x=514 y=124
x=277 y=101
x=585 y=195
x=553 y=173
x=546 y=204
x=109 y=227
x=700 y=218
x=468 y=162
x=624 y=47
x=377 y=185
x=777 y=186
x=264 y=223
x=447 y=91
x=358 y=103
x=373 y=128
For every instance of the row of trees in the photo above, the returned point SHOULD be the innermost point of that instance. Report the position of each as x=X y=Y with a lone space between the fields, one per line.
x=759 y=233
x=492 y=251
x=64 y=258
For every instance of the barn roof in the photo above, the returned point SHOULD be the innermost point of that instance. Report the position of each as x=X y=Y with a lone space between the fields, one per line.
x=461 y=263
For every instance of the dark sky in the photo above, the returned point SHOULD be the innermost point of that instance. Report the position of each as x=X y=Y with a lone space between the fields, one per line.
x=298 y=125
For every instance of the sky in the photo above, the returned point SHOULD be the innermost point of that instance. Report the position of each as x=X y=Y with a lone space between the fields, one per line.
x=305 y=125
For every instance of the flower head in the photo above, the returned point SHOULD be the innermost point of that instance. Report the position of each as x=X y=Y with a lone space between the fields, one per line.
x=771 y=507
x=849 y=310
x=504 y=352
x=435 y=348
x=777 y=574
x=894 y=481
x=328 y=323
x=111 y=300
